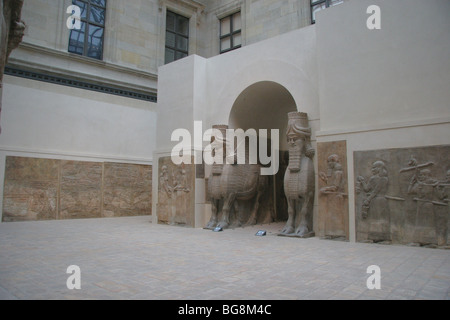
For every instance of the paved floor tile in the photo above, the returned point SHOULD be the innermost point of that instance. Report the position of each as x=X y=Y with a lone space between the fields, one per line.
x=131 y=258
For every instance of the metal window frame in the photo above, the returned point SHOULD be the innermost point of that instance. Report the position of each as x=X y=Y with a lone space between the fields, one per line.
x=177 y=34
x=230 y=35
x=86 y=30
x=317 y=2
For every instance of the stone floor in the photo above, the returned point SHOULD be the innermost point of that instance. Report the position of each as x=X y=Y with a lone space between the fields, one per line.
x=131 y=258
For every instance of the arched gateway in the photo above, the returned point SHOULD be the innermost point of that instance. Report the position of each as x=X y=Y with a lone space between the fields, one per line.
x=260 y=108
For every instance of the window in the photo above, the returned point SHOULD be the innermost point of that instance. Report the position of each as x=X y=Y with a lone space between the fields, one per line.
x=88 y=40
x=317 y=5
x=230 y=32
x=177 y=37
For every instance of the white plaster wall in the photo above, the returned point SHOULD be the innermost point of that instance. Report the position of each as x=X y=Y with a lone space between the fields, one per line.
x=38 y=116
x=373 y=78
x=181 y=98
x=50 y=121
x=288 y=59
x=199 y=89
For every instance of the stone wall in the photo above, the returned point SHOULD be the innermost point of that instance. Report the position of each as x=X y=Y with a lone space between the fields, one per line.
x=46 y=189
x=31 y=189
x=261 y=19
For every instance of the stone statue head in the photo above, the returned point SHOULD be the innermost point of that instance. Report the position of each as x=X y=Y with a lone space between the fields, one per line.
x=298 y=130
x=333 y=164
x=333 y=160
x=379 y=168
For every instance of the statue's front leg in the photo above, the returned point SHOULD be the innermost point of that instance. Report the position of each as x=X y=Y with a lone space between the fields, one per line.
x=229 y=202
x=214 y=209
x=254 y=214
x=303 y=230
x=289 y=227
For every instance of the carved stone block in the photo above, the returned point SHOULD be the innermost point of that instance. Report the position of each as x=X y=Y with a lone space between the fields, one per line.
x=30 y=189
x=403 y=195
x=40 y=189
x=80 y=190
x=333 y=189
x=127 y=190
x=176 y=193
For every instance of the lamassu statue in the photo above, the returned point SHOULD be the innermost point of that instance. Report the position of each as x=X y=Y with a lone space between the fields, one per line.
x=232 y=183
x=299 y=179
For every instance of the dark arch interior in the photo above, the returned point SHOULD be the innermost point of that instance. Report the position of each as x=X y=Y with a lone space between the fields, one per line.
x=265 y=105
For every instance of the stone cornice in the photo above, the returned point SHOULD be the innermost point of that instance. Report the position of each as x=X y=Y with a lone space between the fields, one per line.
x=34 y=57
x=191 y=4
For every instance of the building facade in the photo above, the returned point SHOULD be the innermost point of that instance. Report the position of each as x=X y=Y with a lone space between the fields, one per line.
x=90 y=105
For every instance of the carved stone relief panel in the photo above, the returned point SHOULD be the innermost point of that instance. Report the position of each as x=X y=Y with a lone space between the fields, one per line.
x=30 y=189
x=176 y=192
x=127 y=190
x=402 y=195
x=44 y=189
x=80 y=190
x=333 y=189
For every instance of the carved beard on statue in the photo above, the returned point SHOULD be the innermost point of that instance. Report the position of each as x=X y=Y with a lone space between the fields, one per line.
x=296 y=146
x=298 y=134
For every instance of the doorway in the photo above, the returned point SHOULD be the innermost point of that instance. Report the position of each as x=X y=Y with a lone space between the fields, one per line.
x=265 y=105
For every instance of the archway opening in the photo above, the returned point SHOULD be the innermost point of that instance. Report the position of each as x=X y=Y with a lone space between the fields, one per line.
x=265 y=105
